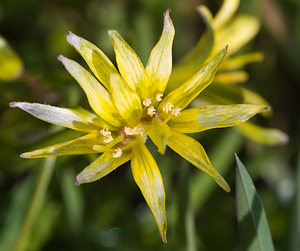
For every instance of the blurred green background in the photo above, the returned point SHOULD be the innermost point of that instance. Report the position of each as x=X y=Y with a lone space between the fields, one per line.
x=111 y=214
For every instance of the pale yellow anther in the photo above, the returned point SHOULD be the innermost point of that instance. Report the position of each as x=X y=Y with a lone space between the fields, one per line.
x=151 y=111
x=147 y=102
x=128 y=130
x=105 y=132
x=159 y=97
x=168 y=107
x=134 y=131
x=117 y=153
x=108 y=139
x=176 y=111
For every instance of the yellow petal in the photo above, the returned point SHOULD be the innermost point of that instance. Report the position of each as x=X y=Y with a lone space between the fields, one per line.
x=82 y=145
x=236 y=34
x=226 y=12
x=192 y=62
x=254 y=98
x=159 y=132
x=98 y=62
x=238 y=62
x=184 y=94
x=148 y=178
x=55 y=115
x=100 y=148
x=102 y=166
x=192 y=151
x=92 y=118
x=213 y=116
x=126 y=100
x=232 y=77
x=220 y=94
x=130 y=66
x=261 y=135
x=159 y=65
x=97 y=95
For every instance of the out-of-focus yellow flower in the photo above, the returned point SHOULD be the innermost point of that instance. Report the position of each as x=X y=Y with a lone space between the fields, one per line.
x=131 y=106
x=11 y=65
x=236 y=31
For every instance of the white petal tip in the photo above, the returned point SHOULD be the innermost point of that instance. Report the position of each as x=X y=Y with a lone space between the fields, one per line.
x=73 y=40
x=13 y=104
x=111 y=32
x=267 y=108
x=77 y=182
x=61 y=58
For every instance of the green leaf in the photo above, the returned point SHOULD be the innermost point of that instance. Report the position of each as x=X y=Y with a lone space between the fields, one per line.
x=253 y=225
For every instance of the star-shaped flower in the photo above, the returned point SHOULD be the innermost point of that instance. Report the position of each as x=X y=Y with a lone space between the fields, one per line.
x=130 y=106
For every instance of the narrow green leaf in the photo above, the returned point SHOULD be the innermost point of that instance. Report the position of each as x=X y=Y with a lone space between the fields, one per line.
x=253 y=225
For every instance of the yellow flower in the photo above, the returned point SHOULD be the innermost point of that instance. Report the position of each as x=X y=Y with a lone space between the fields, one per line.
x=130 y=107
x=236 y=30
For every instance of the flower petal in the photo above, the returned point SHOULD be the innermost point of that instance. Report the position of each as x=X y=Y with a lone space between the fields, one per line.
x=226 y=12
x=92 y=118
x=235 y=33
x=184 y=94
x=55 y=115
x=82 y=145
x=231 y=77
x=192 y=62
x=97 y=95
x=126 y=100
x=159 y=65
x=192 y=151
x=148 y=178
x=238 y=62
x=261 y=135
x=130 y=66
x=102 y=166
x=159 y=132
x=214 y=116
x=98 y=62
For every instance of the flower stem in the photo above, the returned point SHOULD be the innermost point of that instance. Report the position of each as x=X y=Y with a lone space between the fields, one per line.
x=186 y=211
x=35 y=205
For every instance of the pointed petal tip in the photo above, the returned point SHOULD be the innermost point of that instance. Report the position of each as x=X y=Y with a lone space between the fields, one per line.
x=267 y=108
x=167 y=13
x=23 y=155
x=13 y=104
x=61 y=58
x=73 y=40
x=111 y=32
x=164 y=238
x=77 y=182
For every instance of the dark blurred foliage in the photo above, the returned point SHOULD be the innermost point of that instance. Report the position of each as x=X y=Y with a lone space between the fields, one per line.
x=111 y=214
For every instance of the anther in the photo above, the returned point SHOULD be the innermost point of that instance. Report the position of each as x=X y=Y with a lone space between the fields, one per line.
x=147 y=102
x=159 y=97
x=105 y=132
x=117 y=153
x=168 y=107
x=176 y=111
x=151 y=111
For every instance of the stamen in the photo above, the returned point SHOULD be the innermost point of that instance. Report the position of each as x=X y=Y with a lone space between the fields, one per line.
x=108 y=139
x=159 y=97
x=168 y=107
x=176 y=111
x=128 y=130
x=147 y=102
x=151 y=111
x=134 y=131
x=117 y=153
x=105 y=132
